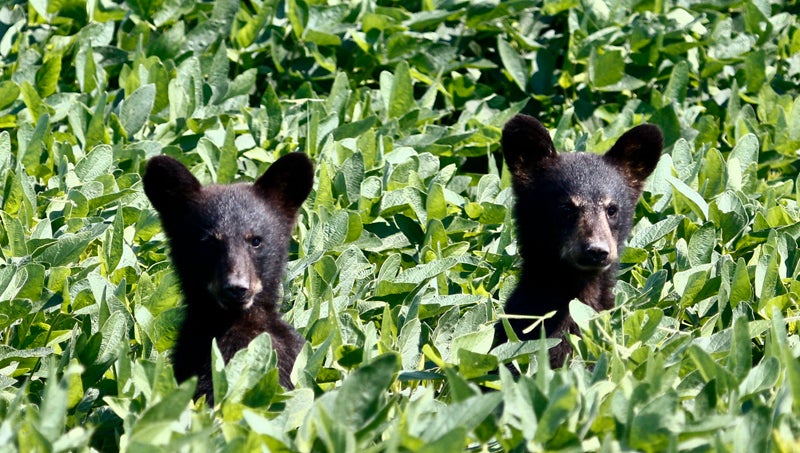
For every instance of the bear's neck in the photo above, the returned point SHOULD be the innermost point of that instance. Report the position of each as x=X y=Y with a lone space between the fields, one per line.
x=559 y=284
x=206 y=320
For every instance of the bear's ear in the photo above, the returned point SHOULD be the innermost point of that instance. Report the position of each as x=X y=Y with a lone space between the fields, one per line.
x=636 y=153
x=526 y=145
x=287 y=182
x=169 y=184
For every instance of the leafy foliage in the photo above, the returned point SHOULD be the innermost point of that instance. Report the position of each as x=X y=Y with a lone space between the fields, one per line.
x=405 y=250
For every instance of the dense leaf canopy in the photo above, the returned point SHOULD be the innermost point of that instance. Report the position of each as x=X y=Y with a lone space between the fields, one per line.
x=406 y=248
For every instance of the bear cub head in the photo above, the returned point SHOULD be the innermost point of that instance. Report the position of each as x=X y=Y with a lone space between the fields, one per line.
x=574 y=210
x=229 y=243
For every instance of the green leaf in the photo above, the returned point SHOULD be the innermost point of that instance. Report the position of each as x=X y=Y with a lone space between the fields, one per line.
x=740 y=359
x=701 y=244
x=581 y=313
x=53 y=414
x=513 y=63
x=254 y=25
x=48 y=75
x=409 y=343
x=157 y=420
x=36 y=106
x=297 y=11
x=648 y=235
x=96 y=163
x=68 y=247
x=466 y=415
x=606 y=67
x=479 y=341
x=135 y=109
x=745 y=153
x=473 y=365
x=687 y=195
x=561 y=402
x=655 y=424
x=678 y=83
x=401 y=94
x=9 y=92
x=113 y=243
x=15 y=235
x=361 y=394
x=761 y=377
x=741 y=289
x=228 y=157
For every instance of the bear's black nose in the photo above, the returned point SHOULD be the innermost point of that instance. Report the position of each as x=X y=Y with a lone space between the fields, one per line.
x=233 y=292
x=596 y=253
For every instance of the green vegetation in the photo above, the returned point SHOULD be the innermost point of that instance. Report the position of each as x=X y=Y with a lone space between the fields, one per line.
x=406 y=249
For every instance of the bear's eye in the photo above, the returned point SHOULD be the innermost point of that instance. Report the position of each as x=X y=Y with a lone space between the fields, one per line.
x=568 y=209
x=612 y=210
x=256 y=241
x=207 y=237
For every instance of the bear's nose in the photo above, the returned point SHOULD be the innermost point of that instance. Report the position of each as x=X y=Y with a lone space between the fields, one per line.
x=234 y=291
x=597 y=253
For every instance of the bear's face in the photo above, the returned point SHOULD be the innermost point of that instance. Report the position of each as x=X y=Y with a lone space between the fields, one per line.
x=229 y=243
x=576 y=208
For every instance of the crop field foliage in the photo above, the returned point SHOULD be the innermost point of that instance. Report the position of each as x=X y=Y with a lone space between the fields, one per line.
x=406 y=249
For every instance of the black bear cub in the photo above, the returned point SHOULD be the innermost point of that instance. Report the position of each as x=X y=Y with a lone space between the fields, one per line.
x=573 y=212
x=229 y=245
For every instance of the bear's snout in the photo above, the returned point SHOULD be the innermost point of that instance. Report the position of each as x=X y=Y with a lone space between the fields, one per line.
x=235 y=292
x=596 y=254
x=235 y=284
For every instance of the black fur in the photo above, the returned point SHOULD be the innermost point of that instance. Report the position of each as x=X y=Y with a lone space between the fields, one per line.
x=229 y=245
x=573 y=212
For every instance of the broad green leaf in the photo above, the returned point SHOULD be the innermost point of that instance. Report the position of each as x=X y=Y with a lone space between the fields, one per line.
x=510 y=351
x=96 y=163
x=581 y=313
x=686 y=194
x=514 y=63
x=479 y=341
x=9 y=92
x=472 y=364
x=247 y=34
x=466 y=415
x=401 y=94
x=606 y=67
x=655 y=423
x=560 y=403
x=361 y=394
x=33 y=101
x=48 y=75
x=745 y=152
x=761 y=377
x=648 y=235
x=136 y=108
x=297 y=11
x=67 y=248
x=15 y=235
x=53 y=416
x=678 y=82
x=701 y=244
x=741 y=288
x=156 y=421
x=409 y=343
x=228 y=156
x=113 y=243
x=740 y=359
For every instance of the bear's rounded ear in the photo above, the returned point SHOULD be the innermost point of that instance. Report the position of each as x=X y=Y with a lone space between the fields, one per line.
x=168 y=183
x=287 y=182
x=526 y=145
x=636 y=153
